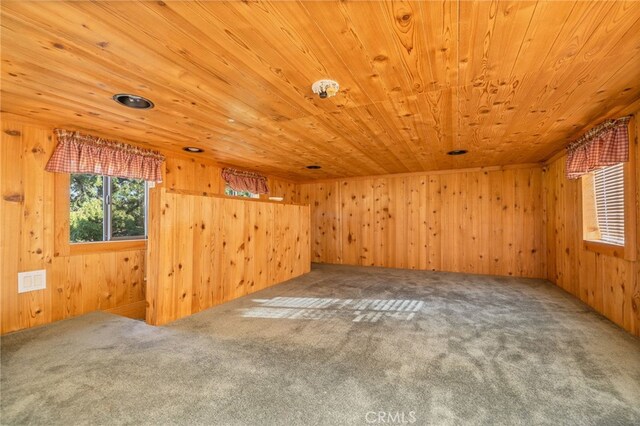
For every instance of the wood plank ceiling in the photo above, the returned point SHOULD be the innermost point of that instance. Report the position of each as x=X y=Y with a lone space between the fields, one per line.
x=512 y=82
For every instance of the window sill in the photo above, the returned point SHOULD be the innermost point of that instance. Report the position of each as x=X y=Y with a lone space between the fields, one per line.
x=607 y=249
x=106 y=246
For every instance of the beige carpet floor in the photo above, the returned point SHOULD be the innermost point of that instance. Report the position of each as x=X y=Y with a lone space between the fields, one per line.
x=341 y=345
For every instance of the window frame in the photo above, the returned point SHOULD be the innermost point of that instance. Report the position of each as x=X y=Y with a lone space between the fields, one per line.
x=237 y=194
x=628 y=251
x=62 y=244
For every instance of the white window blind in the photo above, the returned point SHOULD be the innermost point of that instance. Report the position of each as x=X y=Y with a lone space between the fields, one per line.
x=609 y=195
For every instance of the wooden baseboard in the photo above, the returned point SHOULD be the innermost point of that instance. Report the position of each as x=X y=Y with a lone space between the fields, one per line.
x=135 y=310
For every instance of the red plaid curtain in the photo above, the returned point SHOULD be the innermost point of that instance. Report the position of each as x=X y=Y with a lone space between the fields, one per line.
x=78 y=153
x=240 y=180
x=604 y=145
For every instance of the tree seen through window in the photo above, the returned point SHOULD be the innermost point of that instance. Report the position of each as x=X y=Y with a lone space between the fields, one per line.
x=104 y=208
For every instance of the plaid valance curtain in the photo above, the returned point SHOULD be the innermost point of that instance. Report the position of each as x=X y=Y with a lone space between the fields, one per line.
x=79 y=153
x=604 y=145
x=240 y=180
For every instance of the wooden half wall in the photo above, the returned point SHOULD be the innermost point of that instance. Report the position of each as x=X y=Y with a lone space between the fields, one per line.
x=206 y=250
x=484 y=221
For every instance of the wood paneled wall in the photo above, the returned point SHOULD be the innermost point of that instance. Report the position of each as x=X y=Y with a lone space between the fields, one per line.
x=608 y=284
x=113 y=280
x=193 y=174
x=205 y=250
x=75 y=284
x=478 y=221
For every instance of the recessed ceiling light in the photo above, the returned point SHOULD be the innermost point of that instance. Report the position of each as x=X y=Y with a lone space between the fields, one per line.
x=457 y=152
x=133 y=101
x=231 y=120
x=314 y=167
x=193 y=149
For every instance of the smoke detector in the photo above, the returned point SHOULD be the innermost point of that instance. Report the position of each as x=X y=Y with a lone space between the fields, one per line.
x=325 y=88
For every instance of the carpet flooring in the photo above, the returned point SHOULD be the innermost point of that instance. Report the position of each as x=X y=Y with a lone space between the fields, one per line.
x=340 y=345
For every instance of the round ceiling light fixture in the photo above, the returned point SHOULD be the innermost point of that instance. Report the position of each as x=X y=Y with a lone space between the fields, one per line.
x=325 y=88
x=314 y=167
x=133 y=101
x=193 y=149
x=457 y=152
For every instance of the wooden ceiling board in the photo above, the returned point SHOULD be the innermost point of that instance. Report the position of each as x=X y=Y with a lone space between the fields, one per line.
x=511 y=81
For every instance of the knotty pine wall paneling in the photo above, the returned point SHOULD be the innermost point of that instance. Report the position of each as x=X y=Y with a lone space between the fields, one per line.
x=193 y=174
x=76 y=284
x=282 y=188
x=112 y=281
x=326 y=220
x=608 y=284
x=206 y=250
x=487 y=221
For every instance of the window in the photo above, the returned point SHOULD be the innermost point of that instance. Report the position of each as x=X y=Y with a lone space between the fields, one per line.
x=609 y=210
x=608 y=186
x=234 y=193
x=103 y=208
